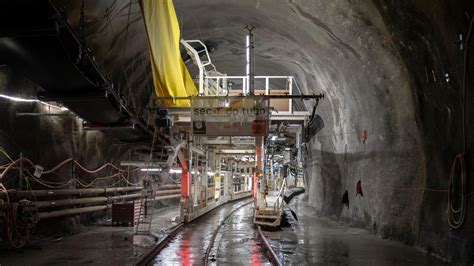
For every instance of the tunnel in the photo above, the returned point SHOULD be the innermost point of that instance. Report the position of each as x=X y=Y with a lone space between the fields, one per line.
x=150 y=132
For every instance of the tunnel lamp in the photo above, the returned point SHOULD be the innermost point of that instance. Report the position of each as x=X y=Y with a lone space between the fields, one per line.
x=17 y=99
x=176 y=171
x=150 y=169
x=23 y=100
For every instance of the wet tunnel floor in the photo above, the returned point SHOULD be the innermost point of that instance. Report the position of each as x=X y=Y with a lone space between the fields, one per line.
x=310 y=241
x=321 y=241
x=236 y=243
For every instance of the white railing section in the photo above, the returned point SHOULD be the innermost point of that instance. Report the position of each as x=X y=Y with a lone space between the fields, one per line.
x=204 y=65
x=225 y=84
x=213 y=83
x=281 y=193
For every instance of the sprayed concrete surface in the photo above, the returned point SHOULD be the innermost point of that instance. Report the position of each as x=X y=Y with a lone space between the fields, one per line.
x=320 y=241
x=96 y=245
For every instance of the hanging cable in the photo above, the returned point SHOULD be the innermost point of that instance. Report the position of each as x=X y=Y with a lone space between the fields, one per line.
x=456 y=216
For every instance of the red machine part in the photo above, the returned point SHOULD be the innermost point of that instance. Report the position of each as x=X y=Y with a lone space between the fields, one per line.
x=185 y=180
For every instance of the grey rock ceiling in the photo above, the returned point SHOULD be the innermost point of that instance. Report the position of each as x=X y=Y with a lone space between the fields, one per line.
x=381 y=64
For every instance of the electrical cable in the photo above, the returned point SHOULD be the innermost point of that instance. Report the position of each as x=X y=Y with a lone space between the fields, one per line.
x=456 y=216
x=2 y=150
x=62 y=164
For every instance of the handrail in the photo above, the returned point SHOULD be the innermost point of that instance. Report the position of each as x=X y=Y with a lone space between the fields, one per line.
x=219 y=89
x=276 y=205
x=197 y=60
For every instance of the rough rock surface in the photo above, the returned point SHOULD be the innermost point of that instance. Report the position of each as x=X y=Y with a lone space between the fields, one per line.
x=382 y=65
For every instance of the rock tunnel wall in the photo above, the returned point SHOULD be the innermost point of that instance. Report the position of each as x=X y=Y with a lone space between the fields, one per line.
x=382 y=65
x=412 y=113
x=48 y=141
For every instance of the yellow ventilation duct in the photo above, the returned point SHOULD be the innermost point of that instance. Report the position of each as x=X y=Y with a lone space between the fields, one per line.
x=170 y=75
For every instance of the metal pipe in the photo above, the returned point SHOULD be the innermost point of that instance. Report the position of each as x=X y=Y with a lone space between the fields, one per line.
x=169 y=186
x=122 y=189
x=68 y=192
x=52 y=214
x=68 y=202
x=120 y=197
x=167 y=192
x=250 y=60
x=168 y=197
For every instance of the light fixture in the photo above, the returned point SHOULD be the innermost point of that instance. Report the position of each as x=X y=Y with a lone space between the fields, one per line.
x=274 y=137
x=237 y=151
x=176 y=171
x=17 y=99
x=150 y=169
x=23 y=100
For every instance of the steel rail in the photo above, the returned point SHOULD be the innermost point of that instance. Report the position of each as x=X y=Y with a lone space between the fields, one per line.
x=273 y=257
x=148 y=257
x=214 y=234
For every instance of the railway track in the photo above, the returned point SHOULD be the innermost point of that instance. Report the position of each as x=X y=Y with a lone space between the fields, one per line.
x=186 y=242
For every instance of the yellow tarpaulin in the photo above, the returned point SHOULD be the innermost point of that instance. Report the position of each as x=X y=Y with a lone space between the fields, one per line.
x=170 y=75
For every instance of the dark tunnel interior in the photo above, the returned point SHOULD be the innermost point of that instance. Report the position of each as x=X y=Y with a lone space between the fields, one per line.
x=388 y=150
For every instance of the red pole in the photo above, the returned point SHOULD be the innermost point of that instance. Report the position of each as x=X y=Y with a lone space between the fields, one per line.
x=185 y=184
x=255 y=184
x=184 y=176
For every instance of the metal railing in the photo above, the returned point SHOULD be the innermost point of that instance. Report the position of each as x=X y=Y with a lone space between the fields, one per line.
x=213 y=83
x=222 y=85
x=205 y=65
x=281 y=193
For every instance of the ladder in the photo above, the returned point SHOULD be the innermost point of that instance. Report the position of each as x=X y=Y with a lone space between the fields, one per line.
x=145 y=217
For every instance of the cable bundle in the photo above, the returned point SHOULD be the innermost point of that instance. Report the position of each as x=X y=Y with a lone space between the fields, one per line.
x=456 y=216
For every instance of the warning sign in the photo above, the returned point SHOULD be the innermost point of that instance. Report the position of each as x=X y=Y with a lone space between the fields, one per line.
x=234 y=116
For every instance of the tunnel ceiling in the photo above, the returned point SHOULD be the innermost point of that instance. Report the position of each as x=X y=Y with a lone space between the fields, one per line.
x=339 y=48
x=343 y=48
x=382 y=65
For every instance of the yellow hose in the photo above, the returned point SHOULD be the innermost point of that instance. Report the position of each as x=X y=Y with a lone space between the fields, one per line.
x=456 y=216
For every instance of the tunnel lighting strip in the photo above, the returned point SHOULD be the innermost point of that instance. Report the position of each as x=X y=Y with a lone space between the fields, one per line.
x=18 y=99
x=150 y=169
